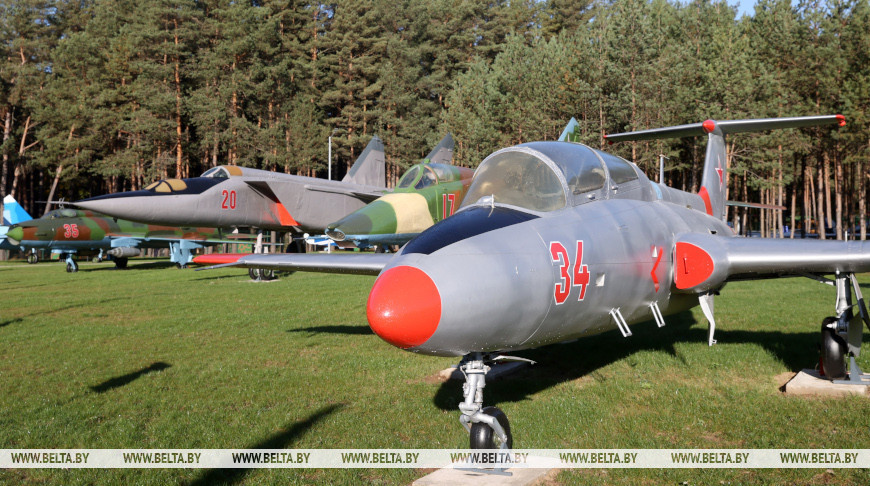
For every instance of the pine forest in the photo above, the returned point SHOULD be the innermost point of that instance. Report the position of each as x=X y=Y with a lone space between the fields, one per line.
x=100 y=96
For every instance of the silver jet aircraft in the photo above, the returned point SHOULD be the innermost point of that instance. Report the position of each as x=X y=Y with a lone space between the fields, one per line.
x=232 y=196
x=557 y=240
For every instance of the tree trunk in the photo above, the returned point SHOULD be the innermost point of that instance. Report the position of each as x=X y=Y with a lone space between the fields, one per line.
x=820 y=205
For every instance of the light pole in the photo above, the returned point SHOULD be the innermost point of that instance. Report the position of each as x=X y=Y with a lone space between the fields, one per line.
x=662 y=168
x=329 y=170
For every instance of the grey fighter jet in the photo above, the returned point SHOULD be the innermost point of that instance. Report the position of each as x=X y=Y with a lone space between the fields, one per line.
x=570 y=241
x=231 y=196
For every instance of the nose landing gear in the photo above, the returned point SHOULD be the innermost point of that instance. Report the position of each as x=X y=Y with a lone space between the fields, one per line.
x=488 y=427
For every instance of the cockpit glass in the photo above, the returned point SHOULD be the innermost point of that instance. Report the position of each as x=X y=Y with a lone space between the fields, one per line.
x=443 y=173
x=518 y=179
x=428 y=179
x=216 y=172
x=409 y=177
x=620 y=170
x=62 y=213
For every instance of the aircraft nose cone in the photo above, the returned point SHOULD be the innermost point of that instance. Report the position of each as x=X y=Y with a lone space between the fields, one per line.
x=404 y=307
x=15 y=234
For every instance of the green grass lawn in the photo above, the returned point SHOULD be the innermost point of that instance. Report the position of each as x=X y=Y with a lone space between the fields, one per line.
x=156 y=357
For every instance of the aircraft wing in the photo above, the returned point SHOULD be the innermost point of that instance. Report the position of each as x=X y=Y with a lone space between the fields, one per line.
x=703 y=262
x=357 y=263
x=361 y=195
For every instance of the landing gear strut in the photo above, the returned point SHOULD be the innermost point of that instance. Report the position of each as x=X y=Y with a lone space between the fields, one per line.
x=488 y=427
x=71 y=265
x=841 y=335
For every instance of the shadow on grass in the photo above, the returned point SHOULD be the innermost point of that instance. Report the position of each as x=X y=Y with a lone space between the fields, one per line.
x=122 y=380
x=289 y=434
x=344 y=329
x=109 y=266
x=560 y=363
x=219 y=277
x=10 y=321
x=76 y=306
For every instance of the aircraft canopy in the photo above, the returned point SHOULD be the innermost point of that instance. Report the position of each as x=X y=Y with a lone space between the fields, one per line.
x=425 y=175
x=223 y=172
x=61 y=213
x=547 y=176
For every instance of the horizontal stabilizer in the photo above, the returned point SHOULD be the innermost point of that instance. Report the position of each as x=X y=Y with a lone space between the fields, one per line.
x=357 y=263
x=727 y=126
x=704 y=262
x=740 y=204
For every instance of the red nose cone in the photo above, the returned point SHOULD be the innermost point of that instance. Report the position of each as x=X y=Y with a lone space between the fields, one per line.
x=404 y=307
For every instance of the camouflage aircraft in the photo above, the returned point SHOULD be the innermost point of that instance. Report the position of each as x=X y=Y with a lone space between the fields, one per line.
x=558 y=240
x=231 y=196
x=69 y=232
x=427 y=193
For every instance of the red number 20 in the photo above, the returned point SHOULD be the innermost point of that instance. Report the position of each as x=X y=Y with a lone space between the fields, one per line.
x=578 y=276
x=229 y=201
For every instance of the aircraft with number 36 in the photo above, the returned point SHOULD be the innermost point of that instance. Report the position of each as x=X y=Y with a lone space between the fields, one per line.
x=557 y=240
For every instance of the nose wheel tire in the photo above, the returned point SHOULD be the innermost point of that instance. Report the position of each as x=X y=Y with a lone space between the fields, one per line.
x=833 y=351
x=71 y=267
x=121 y=262
x=32 y=258
x=484 y=437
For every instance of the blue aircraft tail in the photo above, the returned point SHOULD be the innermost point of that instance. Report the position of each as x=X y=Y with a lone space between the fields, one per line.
x=569 y=134
x=714 y=180
x=13 y=213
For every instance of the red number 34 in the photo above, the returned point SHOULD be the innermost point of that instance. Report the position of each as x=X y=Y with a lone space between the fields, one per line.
x=570 y=276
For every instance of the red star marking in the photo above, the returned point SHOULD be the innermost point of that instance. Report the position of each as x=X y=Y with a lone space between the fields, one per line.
x=657 y=254
x=719 y=170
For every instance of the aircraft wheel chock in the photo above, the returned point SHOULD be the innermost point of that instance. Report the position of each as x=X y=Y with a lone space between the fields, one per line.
x=482 y=435
x=833 y=351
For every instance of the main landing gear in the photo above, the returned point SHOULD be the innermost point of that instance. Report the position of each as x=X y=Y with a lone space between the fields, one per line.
x=71 y=265
x=841 y=334
x=488 y=427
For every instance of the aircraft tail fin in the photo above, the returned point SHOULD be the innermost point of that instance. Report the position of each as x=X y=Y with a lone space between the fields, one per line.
x=715 y=177
x=568 y=134
x=442 y=153
x=370 y=167
x=13 y=213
